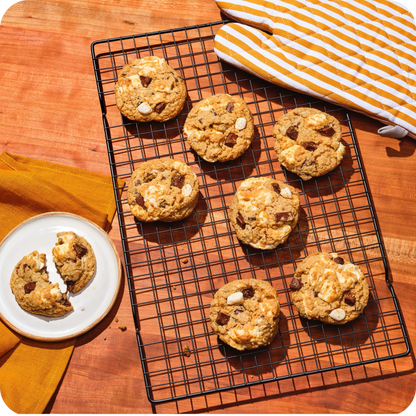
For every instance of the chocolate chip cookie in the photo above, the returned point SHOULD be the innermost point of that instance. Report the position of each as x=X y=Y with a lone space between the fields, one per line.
x=162 y=190
x=149 y=89
x=33 y=291
x=308 y=142
x=74 y=259
x=245 y=314
x=329 y=288
x=220 y=128
x=264 y=211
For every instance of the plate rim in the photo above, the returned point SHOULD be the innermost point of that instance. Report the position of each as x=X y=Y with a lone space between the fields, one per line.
x=110 y=304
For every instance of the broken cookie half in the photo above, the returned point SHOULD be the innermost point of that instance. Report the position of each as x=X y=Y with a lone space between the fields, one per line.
x=74 y=259
x=32 y=289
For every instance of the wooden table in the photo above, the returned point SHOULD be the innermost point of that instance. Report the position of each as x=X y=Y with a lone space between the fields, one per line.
x=49 y=110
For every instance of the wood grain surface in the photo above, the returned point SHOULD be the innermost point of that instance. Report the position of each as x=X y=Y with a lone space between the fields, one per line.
x=49 y=110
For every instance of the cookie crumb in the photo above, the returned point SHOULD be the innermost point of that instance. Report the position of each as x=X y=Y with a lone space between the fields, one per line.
x=122 y=327
x=186 y=351
x=116 y=319
x=174 y=287
x=184 y=261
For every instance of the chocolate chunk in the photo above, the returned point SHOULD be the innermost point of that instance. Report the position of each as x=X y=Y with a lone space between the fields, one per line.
x=311 y=146
x=339 y=260
x=327 y=131
x=140 y=201
x=349 y=298
x=231 y=140
x=283 y=216
x=178 y=180
x=160 y=107
x=292 y=132
x=145 y=80
x=230 y=107
x=240 y=221
x=67 y=303
x=149 y=176
x=276 y=188
x=222 y=319
x=295 y=284
x=238 y=309
x=28 y=287
x=69 y=284
x=80 y=249
x=248 y=292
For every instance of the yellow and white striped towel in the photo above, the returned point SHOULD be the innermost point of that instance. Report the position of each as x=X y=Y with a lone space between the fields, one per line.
x=359 y=54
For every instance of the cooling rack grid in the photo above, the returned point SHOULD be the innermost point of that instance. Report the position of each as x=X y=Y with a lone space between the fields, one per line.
x=174 y=269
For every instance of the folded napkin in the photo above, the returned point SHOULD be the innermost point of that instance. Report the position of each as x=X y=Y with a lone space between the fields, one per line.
x=358 y=54
x=30 y=370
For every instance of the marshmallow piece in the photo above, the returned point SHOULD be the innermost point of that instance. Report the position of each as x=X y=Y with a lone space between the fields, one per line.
x=240 y=123
x=235 y=298
x=153 y=202
x=337 y=314
x=55 y=291
x=144 y=108
x=316 y=120
x=341 y=150
x=39 y=261
x=290 y=154
x=186 y=190
x=286 y=192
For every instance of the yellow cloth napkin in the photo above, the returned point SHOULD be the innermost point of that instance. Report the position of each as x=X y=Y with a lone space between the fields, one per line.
x=30 y=370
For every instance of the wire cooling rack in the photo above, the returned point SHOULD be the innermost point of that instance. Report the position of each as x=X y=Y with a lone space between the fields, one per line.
x=174 y=269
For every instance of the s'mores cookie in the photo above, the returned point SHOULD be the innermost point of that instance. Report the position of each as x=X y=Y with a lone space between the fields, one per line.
x=263 y=212
x=162 y=190
x=219 y=128
x=329 y=288
x=74 y=259
x=33 y=291
x=149 y=89
x=308 y=142
x=245 y=314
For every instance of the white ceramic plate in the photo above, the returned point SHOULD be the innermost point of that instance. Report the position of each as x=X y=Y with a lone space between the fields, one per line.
x=91 y=304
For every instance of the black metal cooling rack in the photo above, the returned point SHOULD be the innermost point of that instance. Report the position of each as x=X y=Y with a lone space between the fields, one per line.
x=174 y=269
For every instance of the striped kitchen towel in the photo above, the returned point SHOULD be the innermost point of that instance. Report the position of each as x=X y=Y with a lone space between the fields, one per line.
x=359 y=54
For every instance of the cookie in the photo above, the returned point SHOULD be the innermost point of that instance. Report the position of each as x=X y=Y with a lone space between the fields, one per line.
x=149 y=89
x=245 y=314
x=162 y=190
x=329 y=288
x=219 y=128
x=308 y=142
x=33 y=291
x=264 y=211
x=74 y=259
